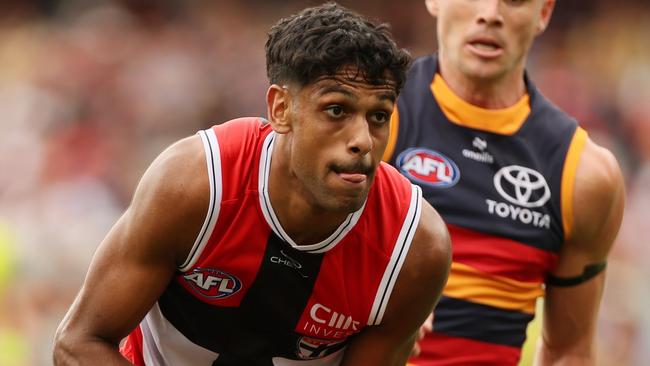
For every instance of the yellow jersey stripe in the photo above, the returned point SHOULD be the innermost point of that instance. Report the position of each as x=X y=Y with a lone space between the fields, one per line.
x=504 y=121
x=469 y=284
x=568 y=179
x=392 y=138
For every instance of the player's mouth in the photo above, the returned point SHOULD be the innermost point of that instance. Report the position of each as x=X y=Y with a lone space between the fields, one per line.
x=353 y=178
x=354 y=175
x=485 y=47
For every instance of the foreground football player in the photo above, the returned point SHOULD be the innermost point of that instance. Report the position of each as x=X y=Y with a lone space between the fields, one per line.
x=279 y=242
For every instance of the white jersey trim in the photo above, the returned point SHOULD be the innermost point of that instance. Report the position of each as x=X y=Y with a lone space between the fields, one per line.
x=400 y=250
x=272 y=220
x=330 y=360
x=163 y=344
x=213 y=161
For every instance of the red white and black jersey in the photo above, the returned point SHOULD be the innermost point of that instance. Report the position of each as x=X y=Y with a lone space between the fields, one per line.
x=249 y=295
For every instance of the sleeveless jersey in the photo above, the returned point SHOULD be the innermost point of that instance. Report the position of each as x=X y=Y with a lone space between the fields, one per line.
x=506 y=199
x=249 y=295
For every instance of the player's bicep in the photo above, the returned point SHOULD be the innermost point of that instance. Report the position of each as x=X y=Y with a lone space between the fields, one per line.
x=575 y=287
x=598 y=203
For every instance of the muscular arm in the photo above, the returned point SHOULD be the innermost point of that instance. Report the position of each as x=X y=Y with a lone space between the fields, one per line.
x=570 y=313
x=137 y=259
x=417 y=289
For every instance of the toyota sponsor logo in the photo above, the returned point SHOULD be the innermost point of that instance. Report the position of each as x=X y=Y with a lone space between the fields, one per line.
x=522 y=186
x=428 y=167
x=516 y=213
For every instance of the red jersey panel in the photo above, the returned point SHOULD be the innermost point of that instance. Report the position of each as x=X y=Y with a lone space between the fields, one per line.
x=249 y=295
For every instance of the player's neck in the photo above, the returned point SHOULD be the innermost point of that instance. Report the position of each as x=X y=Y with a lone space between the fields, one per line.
x=305 y=222
x=494 y=93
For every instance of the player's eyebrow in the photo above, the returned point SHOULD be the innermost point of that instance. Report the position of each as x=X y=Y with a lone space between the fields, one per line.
x=390 y=95
x=336 y=89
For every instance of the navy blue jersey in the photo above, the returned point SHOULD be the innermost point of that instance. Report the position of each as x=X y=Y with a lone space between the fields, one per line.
x=502 y=181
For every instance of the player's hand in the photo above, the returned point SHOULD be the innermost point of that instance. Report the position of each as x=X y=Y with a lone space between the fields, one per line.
x=425 y=328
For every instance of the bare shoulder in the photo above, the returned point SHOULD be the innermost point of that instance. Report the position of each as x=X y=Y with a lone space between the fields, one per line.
x=417 y=289
x=172 y=197
x=430 y=254
x=599 y=199
x=425 y=269
x=172 y=170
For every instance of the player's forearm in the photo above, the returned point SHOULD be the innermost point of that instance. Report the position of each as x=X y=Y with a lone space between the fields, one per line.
x=578 y=356
x=69 y=350
x=378 y=349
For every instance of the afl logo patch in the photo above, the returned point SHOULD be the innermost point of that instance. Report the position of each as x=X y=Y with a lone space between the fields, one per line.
x=213 y=283
x=428 y=167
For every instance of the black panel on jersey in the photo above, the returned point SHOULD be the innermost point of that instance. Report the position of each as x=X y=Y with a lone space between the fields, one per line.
x=540 y=144
x=459 y=318
x=263 y=325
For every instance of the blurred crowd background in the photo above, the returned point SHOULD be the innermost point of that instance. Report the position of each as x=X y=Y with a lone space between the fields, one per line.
x=91 y=91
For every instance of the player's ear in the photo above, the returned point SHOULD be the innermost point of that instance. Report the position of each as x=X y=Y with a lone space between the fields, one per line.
x=545 y=16
x=278 y=99
x=432 y=7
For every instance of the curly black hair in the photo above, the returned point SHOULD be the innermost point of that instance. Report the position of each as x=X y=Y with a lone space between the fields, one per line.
x=321 y=40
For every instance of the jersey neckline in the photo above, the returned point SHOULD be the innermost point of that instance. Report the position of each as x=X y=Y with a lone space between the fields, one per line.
x=272 y=220
x=505 y=121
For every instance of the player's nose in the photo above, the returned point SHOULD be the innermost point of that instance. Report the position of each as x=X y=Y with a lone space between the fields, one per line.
x=360 y=139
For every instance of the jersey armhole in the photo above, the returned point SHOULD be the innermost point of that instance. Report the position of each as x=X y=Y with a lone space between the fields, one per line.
x=392 y=137
x=568 y=179
x=213 y=161
x=400 y=250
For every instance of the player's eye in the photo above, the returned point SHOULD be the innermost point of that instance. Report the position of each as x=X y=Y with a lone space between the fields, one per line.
x=515 y=2
x=335 y=111
x=379 y=117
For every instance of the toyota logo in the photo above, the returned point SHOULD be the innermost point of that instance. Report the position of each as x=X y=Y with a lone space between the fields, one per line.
x=522 y=186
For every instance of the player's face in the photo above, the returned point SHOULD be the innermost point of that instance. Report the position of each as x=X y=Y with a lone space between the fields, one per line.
x=488 y=39
x=339 y=132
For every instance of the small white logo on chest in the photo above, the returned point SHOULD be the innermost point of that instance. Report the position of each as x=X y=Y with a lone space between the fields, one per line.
x=479 y=143
x=482 y=155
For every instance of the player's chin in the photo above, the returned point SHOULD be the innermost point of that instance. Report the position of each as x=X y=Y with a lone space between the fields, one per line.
x=355 y=202
x=490 y=70
x=347 y=202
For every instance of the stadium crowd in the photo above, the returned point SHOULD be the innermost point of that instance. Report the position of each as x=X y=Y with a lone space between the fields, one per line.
x=92 y=91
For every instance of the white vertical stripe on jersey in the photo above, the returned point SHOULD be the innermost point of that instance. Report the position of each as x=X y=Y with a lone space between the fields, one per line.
x=400 y=250
x=163 y=344
x=213 y=161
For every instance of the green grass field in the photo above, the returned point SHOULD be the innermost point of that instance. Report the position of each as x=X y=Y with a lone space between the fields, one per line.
x=532 y=334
